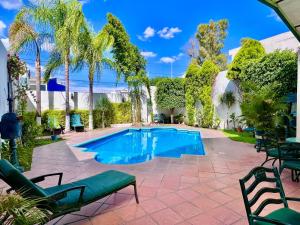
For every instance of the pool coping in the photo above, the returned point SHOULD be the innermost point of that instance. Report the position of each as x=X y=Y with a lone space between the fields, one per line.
x=81 y=155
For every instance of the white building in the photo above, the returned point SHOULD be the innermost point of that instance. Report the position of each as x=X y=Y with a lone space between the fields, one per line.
x=3 y=80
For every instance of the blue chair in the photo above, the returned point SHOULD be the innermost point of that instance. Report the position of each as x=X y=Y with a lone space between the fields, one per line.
x=76 y=122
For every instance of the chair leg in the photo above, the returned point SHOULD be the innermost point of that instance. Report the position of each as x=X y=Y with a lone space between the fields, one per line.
x=135 y=193
x=266 y=160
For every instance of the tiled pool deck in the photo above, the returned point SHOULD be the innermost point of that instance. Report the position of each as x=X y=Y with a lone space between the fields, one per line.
x=191 y=190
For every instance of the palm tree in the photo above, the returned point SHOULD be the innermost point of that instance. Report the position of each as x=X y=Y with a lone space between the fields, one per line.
x=67 y=21
x=24 y=36
x=90 y=53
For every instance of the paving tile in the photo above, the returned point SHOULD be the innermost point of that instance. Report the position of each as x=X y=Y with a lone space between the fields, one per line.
x=172 y=199
x=187 y=210
x=188 y=194
x=220 y=197
x=204 y=219
x=226 y=216
x=146 y=220
x=152 y=205
x=205 y=203
x=109 y=218
x=130 y=212
x=166 y=217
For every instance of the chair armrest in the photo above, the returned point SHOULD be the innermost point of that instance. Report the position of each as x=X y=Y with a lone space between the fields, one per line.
x=293 y=199
x=264 y=219
x=42 y=178
x=61 y=194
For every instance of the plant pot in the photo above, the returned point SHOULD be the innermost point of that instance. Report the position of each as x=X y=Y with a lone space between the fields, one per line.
x=54 y=137
x=239 y=130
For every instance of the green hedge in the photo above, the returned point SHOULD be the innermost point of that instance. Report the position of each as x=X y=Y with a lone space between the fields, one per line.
x=121 y=113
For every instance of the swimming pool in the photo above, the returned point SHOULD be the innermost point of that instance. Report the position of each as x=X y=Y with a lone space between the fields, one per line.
x=132 y=146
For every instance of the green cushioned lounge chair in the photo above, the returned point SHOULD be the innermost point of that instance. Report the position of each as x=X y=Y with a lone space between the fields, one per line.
x=54 y=125
x=66 y=198
x=254 y=193
x=294 y=166
x=76 y=122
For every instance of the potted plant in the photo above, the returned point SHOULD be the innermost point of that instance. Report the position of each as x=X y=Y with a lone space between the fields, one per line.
x=53 y=128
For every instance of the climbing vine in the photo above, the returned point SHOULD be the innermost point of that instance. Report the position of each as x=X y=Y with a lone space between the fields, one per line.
x=16 y=69
x=199 y=82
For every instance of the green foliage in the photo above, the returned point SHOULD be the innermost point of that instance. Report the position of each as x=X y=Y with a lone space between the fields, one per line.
x=228 y=99
x=262 y=109
x=16 y=210
x=105 y=107
x=211 y=39
x=277 y=69
x=198 y=85
x=155 y=80
x=58 y=114
x=170 y=94
x=122 y=112
x=250 y=50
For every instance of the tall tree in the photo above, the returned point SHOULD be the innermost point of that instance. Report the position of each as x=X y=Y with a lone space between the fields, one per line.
x=26 y=37
x=91 y=49
x=131 y=64
x=211 y=39
x=67 y=20
x=250 y=50
x=170 y=95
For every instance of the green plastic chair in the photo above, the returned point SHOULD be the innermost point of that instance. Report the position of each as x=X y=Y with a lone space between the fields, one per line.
x=54 y=124
x=63 y=199
x=76 y=122
x=281 y=216
x=294 y=166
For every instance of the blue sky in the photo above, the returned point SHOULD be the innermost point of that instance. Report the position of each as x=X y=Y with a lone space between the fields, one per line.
x=162 y=29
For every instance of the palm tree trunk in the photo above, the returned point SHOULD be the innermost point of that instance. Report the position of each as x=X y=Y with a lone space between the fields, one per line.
x=91 y=101
x=38 y=89
x=67 y=80
x=138 y=108
x=172 y=116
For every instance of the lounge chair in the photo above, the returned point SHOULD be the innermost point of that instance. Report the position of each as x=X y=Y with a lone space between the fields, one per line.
x=294 y=166
x=54 y=125
x=281 y=216
x=76 y=122
x=66 y=198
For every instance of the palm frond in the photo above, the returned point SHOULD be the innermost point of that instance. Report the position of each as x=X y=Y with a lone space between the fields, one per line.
x=53 y=64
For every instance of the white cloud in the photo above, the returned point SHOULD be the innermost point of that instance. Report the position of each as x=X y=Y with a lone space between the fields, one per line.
x=48 y=46
x=275 y=16
x=148 y=54
x=2 y=27
x=148 y=33
x=169 y=33
x=5 y=42
x=11 y=4
x=172 y=59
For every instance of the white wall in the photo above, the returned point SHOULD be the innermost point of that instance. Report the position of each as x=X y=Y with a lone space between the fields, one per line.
x=56 y=100
x=3 y=80
x=222 y=85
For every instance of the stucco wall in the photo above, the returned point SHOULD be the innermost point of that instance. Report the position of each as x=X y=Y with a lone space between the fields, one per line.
x=78 y=100
x=3 y=80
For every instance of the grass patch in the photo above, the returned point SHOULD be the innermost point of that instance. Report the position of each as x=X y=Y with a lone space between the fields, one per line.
x=245 y=137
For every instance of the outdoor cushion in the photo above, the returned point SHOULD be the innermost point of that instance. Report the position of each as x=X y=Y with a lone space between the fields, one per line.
x=96 y=187
x=284 y=215
x=75 y=121
x=16 y=179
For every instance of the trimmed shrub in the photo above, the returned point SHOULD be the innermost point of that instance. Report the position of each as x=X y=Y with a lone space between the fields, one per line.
x=122 y=112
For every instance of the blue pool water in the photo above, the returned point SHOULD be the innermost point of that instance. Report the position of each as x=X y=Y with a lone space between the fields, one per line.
x=139 y=145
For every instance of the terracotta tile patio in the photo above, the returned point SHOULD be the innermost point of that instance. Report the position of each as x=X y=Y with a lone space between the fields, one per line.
x=190 y=190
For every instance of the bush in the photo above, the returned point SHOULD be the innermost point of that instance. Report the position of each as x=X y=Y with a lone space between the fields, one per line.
x=59 y=114
x=198 y=85
x=278 y=69
x=122 y=112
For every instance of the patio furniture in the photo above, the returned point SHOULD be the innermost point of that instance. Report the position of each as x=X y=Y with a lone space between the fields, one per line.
x=66 y=198
x=53 y=124
x=76 y=122
x=294 y=166
x=255 y=178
